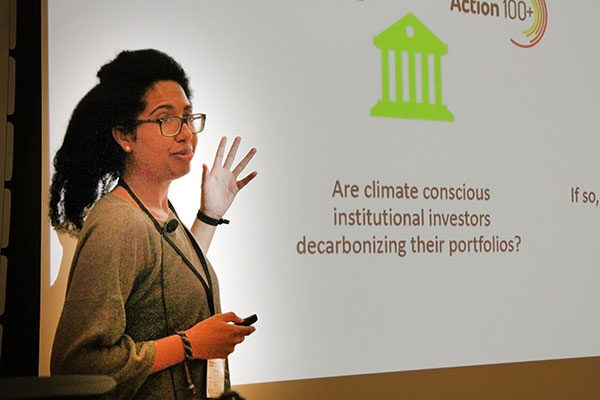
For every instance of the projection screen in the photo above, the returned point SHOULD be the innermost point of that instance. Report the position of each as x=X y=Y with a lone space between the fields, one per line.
x=427 y=191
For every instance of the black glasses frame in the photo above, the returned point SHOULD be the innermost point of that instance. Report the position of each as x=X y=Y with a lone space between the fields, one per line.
x=186 y=119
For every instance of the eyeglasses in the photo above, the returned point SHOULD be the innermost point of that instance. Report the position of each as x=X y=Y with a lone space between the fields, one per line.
x=171 y=124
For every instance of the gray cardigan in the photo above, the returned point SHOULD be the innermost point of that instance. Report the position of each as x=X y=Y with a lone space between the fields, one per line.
x=114 y=307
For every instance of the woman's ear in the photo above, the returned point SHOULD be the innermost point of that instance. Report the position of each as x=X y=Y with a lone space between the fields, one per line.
x=124 y=139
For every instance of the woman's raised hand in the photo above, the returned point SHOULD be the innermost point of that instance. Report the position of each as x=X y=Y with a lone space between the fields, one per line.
x=220 y=184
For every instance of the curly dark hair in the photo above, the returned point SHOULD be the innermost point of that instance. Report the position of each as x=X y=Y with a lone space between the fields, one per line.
x=90 y=161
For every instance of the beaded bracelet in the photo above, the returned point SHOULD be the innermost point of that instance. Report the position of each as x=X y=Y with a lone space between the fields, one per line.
x=187 y=350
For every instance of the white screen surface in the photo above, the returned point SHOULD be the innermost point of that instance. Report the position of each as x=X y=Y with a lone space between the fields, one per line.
x=299 y=80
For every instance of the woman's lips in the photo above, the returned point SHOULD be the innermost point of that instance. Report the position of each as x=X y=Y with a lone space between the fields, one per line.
x=184 y=154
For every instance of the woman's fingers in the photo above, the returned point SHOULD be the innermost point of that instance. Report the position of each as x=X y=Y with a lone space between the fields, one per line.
x=231 y=156
x=220 y=152
x=232 y=152
x=242 y=164
x=243 y=182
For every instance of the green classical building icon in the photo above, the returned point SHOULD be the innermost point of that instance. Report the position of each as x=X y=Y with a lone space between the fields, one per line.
x=411 y=72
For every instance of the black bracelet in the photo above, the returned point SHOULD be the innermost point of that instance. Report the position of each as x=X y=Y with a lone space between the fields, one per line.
x=209 y=220
x=187 y=350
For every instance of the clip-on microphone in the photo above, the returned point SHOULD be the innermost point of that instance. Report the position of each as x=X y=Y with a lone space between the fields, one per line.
x=171 y=226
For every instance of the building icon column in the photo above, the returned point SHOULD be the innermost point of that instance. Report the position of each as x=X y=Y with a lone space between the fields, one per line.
x=411 y=41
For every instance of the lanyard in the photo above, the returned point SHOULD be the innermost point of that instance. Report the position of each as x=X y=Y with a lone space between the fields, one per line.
x=208 y=287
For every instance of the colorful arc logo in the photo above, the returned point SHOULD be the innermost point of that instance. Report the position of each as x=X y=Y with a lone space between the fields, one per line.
x=538 y=27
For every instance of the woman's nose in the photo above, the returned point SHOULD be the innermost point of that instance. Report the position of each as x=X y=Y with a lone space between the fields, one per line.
x=185 y=132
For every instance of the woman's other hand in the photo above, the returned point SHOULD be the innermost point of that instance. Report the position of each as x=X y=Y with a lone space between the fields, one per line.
x=217 y=336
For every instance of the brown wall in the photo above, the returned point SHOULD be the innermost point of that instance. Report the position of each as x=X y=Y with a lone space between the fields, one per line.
x=572 y=379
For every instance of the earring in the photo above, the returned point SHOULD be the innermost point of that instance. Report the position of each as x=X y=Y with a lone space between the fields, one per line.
x=127 y=149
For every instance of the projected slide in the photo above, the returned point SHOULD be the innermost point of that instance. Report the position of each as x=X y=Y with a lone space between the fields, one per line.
x=428 y=171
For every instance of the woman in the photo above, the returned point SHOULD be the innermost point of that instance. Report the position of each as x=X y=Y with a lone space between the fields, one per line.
x=142 y=302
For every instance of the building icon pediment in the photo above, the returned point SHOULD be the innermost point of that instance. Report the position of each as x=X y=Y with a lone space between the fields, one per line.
x=412 y=35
